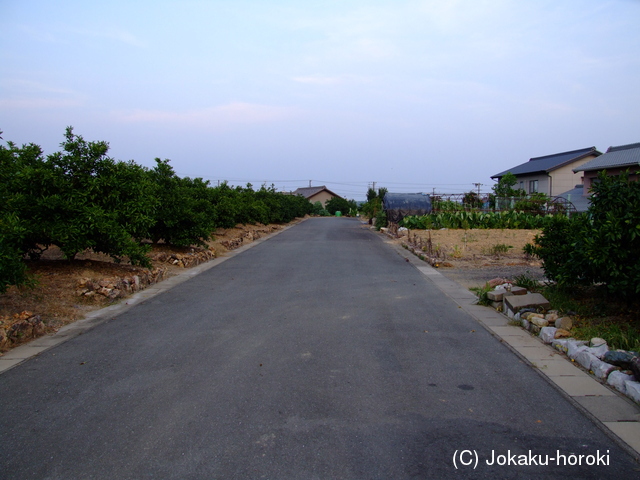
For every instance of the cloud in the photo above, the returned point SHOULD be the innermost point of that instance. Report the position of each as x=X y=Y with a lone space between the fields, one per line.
x=237 y=113
x=62 y=35
x=120 y=36
x=28 y=94
x=318 y=80
x=330 y=80
x=38 y=103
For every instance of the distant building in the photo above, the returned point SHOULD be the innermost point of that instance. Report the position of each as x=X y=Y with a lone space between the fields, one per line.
x=615 y=161
x=551 y=174
x=316 y=194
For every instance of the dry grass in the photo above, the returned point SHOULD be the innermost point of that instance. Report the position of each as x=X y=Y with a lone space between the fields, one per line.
x=478 y=248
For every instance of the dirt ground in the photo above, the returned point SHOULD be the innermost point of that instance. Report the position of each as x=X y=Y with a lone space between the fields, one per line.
x=66 y=290
x=472 y=257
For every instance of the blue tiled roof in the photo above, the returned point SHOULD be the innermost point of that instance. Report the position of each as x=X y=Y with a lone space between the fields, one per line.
x=615 y=157
x=549 y=162
x=576 y=197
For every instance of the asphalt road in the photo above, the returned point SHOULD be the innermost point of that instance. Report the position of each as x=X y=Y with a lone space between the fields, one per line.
x=318 y=354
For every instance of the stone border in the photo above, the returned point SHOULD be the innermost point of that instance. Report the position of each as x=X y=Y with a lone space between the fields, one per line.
x=616 y=415
x=92 y=319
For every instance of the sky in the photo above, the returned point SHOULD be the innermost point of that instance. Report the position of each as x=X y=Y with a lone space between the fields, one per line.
x=417 y=96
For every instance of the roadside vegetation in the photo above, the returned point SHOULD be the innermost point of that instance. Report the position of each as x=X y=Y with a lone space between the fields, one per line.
x=372 y=209
x=593 y=262
x=79 y=198
x=509 y=219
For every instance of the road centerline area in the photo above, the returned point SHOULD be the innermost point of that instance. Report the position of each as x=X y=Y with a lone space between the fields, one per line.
x=319 y=353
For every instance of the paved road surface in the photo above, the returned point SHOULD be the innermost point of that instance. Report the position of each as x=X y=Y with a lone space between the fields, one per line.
x=318 y=354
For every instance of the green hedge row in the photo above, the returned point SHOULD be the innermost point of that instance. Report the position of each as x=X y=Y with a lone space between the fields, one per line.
x=80 y=198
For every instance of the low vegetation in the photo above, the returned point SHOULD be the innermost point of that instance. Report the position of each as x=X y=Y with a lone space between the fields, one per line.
x=509 y=219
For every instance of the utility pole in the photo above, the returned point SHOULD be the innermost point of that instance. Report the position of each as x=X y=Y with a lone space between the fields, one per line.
x=309 y=183
x=478 y=185
x=374 y=185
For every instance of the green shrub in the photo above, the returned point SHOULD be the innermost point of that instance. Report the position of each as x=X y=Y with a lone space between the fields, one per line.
x=185 y=214
x=600 y=247
x=337 y=204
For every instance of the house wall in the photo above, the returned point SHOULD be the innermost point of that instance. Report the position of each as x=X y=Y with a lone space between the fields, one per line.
x=543 y=182
x=590 y=177
x=563 y=179
x=322 y=197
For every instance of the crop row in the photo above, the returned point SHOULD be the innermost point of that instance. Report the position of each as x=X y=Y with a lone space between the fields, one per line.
x=510 y=219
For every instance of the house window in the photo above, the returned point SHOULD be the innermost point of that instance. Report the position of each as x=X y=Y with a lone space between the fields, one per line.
x=522 y=185
x=533 y=186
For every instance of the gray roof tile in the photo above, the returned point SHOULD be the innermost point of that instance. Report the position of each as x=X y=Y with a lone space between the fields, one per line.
x=615 y=157
x=308 y=192
x=549 y=162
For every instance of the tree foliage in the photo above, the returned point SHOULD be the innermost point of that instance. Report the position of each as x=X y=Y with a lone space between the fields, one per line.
x=504 y=187
x=601 y=247
x=79 y=198
x=373 y=206
x=337 y=204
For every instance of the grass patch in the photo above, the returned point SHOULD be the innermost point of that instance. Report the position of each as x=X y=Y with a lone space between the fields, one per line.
x=481 y=293
x=527 y=281
x=497 y=250
x=597 y=314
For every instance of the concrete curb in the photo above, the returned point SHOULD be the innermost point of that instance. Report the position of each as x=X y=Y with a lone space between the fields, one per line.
x=92 y=319
x=613 y=413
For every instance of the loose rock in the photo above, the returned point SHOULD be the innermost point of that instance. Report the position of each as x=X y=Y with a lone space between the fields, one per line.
x=635 y=367
x=547 y=334
x=618 y=380
x=620 y=358
x=565 y=323
x=540 y=322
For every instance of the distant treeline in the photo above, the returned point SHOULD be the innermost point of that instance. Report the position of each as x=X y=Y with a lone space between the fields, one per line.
x=80 y=198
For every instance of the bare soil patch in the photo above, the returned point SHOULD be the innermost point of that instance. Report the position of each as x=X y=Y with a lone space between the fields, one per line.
x=472 y=257
x=67 y=290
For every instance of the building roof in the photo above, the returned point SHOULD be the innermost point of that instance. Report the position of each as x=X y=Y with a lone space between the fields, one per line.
x=577 y=198
x=308 y=192
x=549 y=163
x=614 y=157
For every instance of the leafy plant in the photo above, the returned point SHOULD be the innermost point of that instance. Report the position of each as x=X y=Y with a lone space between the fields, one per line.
x=509 y=219
x=482 y=294
x=499 y=249
x=535 y=204
x=525 y=280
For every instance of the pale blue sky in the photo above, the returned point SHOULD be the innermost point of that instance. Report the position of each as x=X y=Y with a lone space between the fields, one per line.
x=414 y=95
